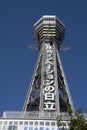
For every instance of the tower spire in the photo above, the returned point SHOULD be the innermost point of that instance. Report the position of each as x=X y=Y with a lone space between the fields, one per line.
x=48 y=92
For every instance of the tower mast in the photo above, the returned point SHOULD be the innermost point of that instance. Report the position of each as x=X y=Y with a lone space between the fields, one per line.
x=48 y=93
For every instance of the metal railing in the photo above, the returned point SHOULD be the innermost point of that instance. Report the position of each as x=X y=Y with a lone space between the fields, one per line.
x=38 y=115
x=35 y=115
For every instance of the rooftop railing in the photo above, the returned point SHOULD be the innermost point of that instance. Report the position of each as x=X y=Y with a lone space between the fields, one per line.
x=37 y=115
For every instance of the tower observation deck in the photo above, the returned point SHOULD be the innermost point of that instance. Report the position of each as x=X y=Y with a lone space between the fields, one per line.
x=48 y=93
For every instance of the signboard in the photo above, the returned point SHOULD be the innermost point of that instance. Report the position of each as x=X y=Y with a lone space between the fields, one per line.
x=48 y=81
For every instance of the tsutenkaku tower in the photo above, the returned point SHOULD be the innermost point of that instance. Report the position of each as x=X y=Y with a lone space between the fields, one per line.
x=48 y=93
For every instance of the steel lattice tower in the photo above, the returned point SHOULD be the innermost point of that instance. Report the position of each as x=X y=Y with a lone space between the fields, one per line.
x=48 y=92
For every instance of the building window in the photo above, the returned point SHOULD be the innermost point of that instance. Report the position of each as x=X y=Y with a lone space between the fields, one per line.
x=21 y=123
x=26 y=123
x=5 y=122
x=36 y=123
x=10 y=127
x=14 y=127
x=0 y=122
x=10 y=122
x=31 y=122
x=52 y=123
x=15 y=122
x=47 y=123
x=41 y=123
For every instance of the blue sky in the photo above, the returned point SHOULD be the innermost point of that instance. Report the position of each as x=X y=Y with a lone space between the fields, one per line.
x=17 y=18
